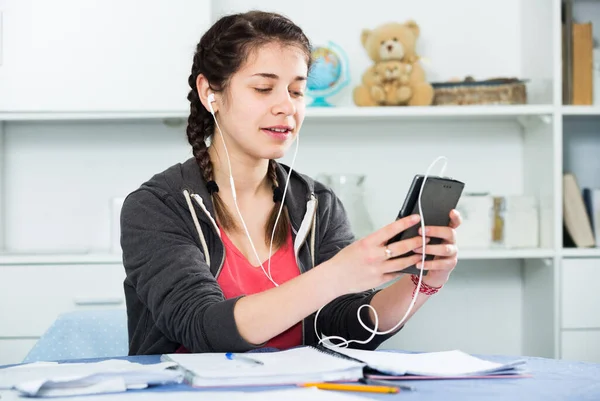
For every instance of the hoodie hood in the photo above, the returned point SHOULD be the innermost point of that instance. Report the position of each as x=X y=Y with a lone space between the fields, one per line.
x=185 y=183
x=188 y=177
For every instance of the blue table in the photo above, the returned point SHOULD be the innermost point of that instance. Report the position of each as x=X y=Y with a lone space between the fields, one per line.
x=552 y=380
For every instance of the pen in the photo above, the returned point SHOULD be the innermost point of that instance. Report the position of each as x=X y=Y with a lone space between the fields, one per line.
x=386 y=383
x=353 y=387
x=232 y=356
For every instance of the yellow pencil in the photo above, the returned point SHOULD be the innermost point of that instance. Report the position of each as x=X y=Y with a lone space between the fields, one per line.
x=353 y=387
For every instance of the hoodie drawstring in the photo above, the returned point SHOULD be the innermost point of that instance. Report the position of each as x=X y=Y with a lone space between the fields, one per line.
x=197 y=225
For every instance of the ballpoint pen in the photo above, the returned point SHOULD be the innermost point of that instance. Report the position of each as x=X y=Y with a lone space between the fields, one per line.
x=386 y=383
x=232 y=356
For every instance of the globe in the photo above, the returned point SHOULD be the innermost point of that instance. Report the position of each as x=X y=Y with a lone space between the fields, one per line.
x=328 y=74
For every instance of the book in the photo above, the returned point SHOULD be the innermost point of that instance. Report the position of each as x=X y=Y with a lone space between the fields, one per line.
x=583 y=64
x=294 y=366
x=576 y=219
x=567 y=50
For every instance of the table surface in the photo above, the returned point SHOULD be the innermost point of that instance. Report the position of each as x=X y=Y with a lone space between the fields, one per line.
x=552 y=380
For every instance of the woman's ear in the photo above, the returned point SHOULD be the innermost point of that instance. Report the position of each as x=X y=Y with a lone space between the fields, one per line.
x=203 y=88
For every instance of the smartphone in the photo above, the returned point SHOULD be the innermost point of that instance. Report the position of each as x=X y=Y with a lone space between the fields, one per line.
x=440 y=195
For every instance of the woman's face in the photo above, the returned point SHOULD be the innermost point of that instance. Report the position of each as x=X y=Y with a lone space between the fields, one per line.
x=264 y=105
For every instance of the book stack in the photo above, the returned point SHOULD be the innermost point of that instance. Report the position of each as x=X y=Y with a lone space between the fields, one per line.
x=325 y=364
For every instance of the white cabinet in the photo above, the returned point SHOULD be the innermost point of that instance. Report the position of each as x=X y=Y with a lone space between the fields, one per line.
x=107 y=56
x=579 y=298
x=581 y=346
x=32 y=296
x=15 y=350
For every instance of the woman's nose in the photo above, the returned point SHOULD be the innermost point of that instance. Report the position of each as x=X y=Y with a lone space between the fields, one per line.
x=285 y=105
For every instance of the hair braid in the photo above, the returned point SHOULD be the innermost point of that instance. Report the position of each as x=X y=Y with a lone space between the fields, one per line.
x=283 y=225
x=201 y=126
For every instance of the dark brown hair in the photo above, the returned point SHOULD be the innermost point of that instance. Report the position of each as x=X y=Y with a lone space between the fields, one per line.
x=221 y=53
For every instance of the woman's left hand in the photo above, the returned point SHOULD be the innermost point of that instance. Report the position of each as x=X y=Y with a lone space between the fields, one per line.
x=446 y=253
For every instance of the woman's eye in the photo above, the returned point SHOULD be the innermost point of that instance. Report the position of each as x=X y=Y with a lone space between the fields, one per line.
x=263 y=90
x=297 y=93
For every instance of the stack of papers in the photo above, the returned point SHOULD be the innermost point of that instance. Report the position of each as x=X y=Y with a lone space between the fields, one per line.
x=45 y=379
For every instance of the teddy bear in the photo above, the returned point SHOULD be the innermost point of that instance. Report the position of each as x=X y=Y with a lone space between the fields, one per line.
x=387 y=83
x=393 y=42
x=395 y=79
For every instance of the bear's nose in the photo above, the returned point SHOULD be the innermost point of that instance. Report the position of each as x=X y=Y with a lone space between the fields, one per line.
x=389 y=47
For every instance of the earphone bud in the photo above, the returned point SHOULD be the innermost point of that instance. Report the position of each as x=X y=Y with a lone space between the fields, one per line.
x=211 y=98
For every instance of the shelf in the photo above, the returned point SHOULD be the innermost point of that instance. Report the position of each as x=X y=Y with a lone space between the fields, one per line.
x=486 y=254
x=482 y=111
x=312 y=113
x=92 y=116
x=581 y=252
x=107 y=258
x=59 y=259
x=581 y=110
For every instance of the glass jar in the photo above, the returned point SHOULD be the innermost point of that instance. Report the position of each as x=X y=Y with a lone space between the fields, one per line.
x=350 y=189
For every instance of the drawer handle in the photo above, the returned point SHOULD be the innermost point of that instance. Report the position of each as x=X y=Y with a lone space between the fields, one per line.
x=98 y=301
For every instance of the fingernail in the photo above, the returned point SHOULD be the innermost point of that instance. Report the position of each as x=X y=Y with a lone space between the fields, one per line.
x=415 y=218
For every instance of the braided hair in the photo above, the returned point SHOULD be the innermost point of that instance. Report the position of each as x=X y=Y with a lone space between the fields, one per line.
x=221 y=52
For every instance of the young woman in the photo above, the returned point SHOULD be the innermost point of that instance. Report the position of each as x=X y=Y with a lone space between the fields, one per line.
x=195 y=282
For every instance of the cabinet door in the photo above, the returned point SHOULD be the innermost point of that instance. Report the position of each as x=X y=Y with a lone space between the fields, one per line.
x=32 y=297
x=15 y=350
x=98 y=56
x=579 y=299
x=581 y=346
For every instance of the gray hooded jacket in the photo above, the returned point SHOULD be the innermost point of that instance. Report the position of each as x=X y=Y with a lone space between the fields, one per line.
x=173 y=254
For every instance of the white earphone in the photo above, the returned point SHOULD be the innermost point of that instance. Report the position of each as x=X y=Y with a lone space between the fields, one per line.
x=327 y=339
x=211 y=99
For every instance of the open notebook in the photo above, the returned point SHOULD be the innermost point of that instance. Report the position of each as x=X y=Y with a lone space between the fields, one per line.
x=294 y=366
x=443 y=364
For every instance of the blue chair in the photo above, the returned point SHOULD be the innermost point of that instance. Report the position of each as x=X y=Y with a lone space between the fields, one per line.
x=83 y=334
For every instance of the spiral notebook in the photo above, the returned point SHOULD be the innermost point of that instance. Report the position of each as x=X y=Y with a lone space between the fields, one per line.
x=293 y=366
x=443 y=364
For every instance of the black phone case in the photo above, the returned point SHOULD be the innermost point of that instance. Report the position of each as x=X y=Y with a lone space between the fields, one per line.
x=440 y=196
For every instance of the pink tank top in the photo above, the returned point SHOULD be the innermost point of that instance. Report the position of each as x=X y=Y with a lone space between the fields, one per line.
x=239 y=277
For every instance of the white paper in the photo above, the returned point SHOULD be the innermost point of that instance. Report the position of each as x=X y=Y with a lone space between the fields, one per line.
x=443 y=363
x=108 y=376
x=291 y=394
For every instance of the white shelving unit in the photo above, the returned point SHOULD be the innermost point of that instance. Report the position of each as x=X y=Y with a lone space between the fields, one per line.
x=62 y=161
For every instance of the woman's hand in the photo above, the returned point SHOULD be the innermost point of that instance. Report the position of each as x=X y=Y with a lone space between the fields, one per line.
x=446 y=254
x=367 y=263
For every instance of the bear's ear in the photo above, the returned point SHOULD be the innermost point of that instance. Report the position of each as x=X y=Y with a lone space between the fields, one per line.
x=414 y=27
x=364 y=36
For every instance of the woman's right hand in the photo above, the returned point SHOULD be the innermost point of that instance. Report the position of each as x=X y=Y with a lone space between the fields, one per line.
x=365 y=264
